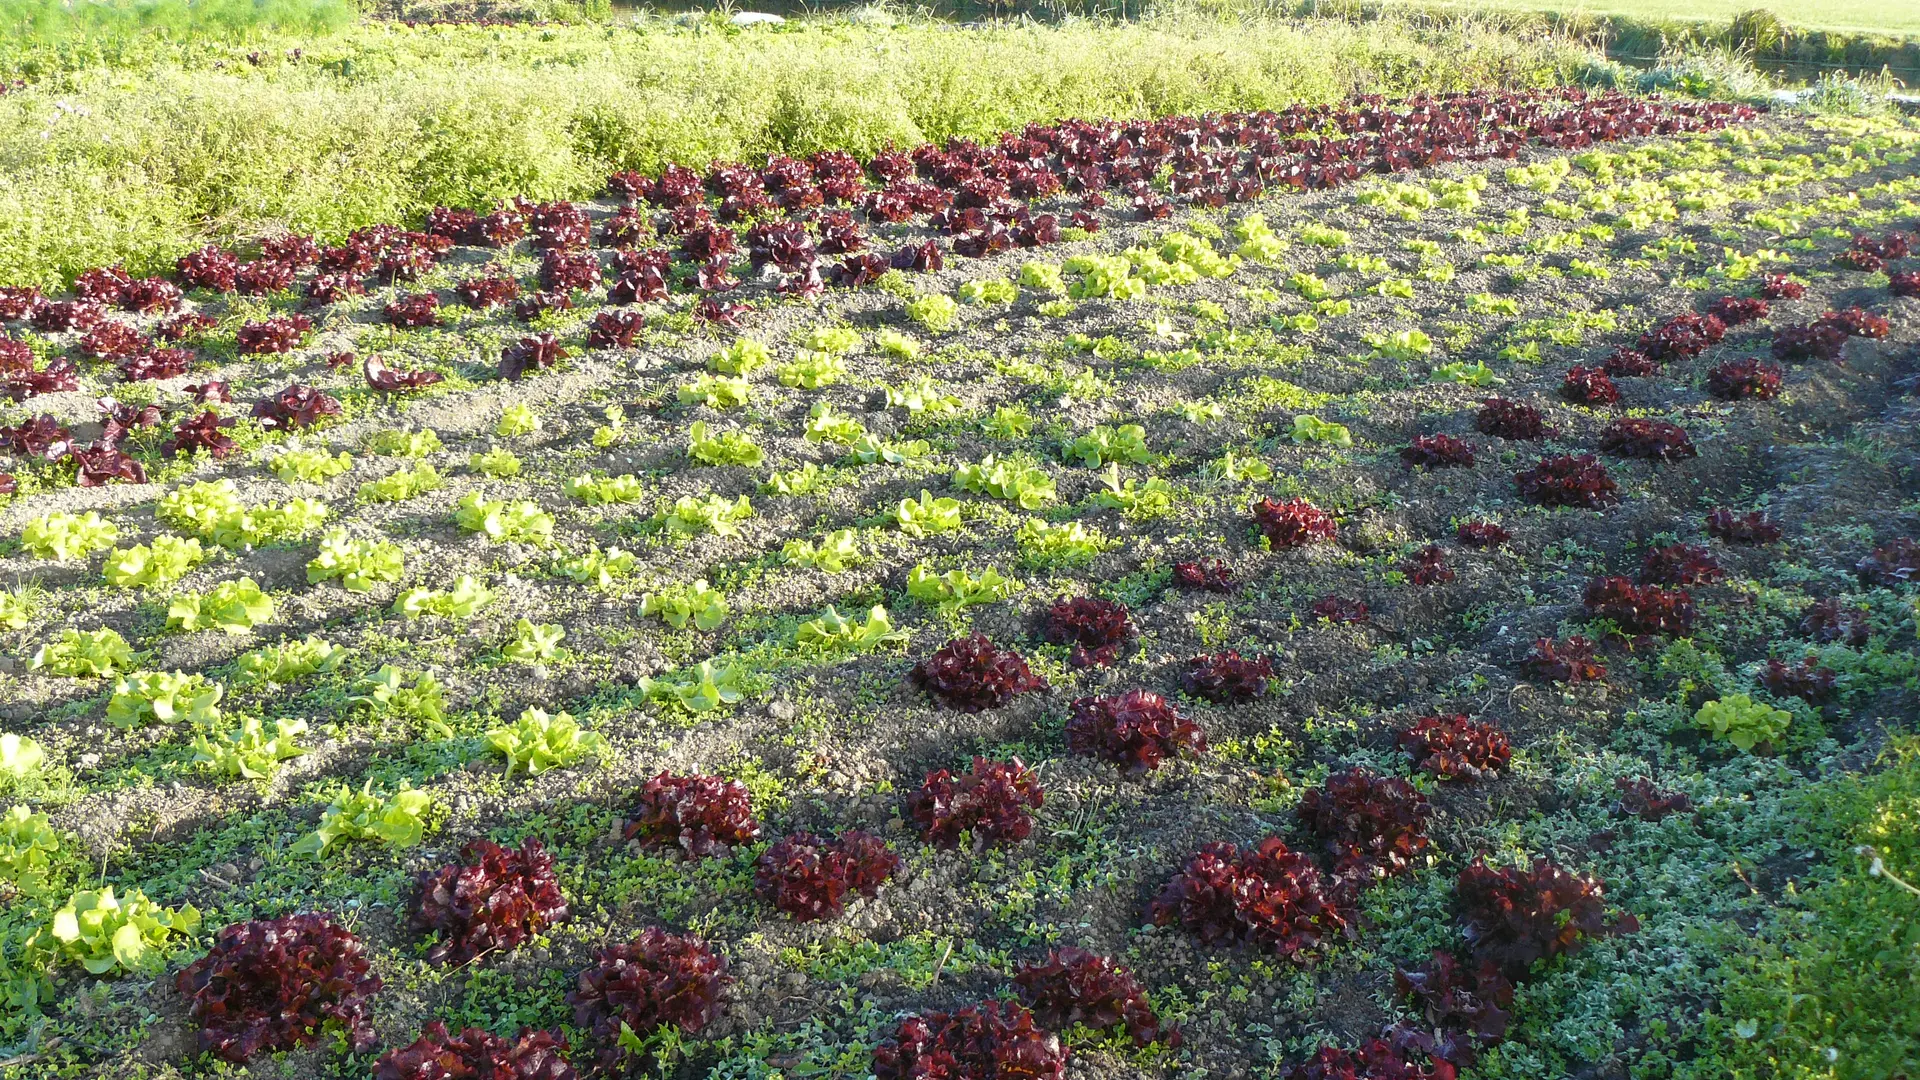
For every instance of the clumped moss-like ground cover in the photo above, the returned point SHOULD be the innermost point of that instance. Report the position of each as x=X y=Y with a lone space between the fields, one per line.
x=1075 y=607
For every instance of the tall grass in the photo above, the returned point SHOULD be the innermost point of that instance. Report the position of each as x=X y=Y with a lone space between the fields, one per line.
x=383 y=121
x=34 y=23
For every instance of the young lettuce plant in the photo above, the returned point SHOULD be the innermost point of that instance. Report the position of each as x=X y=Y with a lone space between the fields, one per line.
x=310 y=465
x=1025 y=486
x=63 y=536
x=357 y=564
x=957 y=589
x=29 y=852
x=86 y=654
x=678 y=605
x=394 y=691
x=249 y=752
x=160 y=697
x=235 y=607
x=504 y=521
x=691 y=516
x=289 y=660
x=105 y=933
x=927 y=516
x=168 y=559
x=833 y=553
x=699 y=689
x=710 y=447
x=532 y=642
x=604 y=490
x=463 y=601
x=395 y=820
x=401 y=485
x=538 y=742
x=1104 y=445
x=1742 y=721
x=834 y=634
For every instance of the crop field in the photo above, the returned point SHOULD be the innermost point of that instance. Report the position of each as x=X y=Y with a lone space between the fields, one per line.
x=1410 y=587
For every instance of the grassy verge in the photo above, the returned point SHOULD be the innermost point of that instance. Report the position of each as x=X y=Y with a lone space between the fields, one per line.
x=1831 y=987
x=384 y=121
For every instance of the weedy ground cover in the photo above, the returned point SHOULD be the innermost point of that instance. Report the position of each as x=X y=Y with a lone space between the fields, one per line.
x=1288 y=593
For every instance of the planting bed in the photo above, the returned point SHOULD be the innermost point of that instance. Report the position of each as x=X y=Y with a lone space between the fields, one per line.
x=1349 y=592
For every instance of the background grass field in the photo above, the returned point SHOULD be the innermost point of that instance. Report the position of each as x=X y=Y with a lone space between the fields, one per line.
x=1858 y=16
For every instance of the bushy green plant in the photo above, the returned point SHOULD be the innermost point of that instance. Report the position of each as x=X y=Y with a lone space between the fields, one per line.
x=678 y=605
x=290 y=660
x=537 y=742
x=504 y=520
x=212 y=509
x=104 y=933
x=533 y=642
x=716 y=392
x=168 y=559
x=1104 y=444
x=605 y=490
x=1308 y=428
x=357 y=564
x=837 y=340
x=1151 y=499
x=63 y=536
x=29 y=846
x=824 y=424
x=834 y=552
x=1067 y=543
x=691 y=515
x=834 y=634
x=463 y=601
x=956 y=589
x=1043 y=276
x=1026 y=486
x=1325 y=236
x=310 y=465
x=86 y=654
x=1008 y=422
x=249 y=751
x=812 y=370
x=896 y=344
x=1238 y=468
x=1102 y=276
x=497 y=462
x=596 y=567
x=161 y=697
x=235 y=607
x=396 y=820
x=701 y=688
x=927 y=515
x=988 y=291
x=1402 y=345
x=20 y=756
x=922 y=395
x=868 y=450
x=413 y=444
x=934 y=312
x=1459 y=371
x=403 y=484
x=709 y=447
x=743 y=357
x=517 y=420
x=1742 y=721
x=395 y=691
